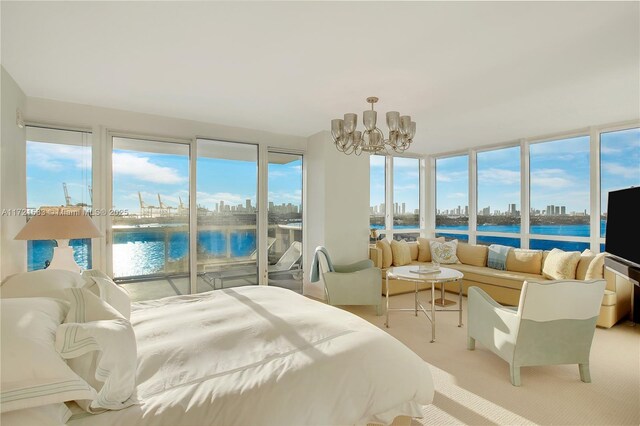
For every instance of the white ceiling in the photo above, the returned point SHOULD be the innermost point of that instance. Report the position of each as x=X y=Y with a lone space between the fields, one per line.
x=469 y=73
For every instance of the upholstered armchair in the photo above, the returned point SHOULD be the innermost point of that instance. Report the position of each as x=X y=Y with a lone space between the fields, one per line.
x=554 y=323
x=354 y=284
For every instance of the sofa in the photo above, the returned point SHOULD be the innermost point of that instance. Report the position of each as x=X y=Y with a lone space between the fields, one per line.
x=504 y=286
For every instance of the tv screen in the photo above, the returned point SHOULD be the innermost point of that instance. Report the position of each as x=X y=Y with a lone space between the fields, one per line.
x=623 y=225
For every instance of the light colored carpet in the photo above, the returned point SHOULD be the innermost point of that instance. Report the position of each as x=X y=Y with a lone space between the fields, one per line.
x=472 y=387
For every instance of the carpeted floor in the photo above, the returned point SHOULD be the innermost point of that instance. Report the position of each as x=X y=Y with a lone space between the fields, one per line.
x=472 y=387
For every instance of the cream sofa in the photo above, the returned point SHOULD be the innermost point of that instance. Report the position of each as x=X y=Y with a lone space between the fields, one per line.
x=505 y=286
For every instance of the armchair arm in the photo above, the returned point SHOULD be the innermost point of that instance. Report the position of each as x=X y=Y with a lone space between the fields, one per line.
x=353 y=267
x=362 y=287
x=375 y=254
x=494 y=325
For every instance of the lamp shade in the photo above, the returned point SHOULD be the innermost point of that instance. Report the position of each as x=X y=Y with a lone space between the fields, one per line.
x=59 y=227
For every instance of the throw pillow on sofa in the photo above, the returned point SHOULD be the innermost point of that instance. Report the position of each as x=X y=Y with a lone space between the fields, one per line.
x=444 y=253
x=586 y=257
x=401 y=253
x=470 y=254
x=387 y=256
x=595 y=270
x=424 y=249
x=561 y=265
x=522 y=260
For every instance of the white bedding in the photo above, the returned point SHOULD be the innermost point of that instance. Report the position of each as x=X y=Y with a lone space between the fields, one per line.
x=261 y=355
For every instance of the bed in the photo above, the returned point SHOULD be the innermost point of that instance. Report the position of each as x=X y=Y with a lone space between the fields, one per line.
x=260 y=355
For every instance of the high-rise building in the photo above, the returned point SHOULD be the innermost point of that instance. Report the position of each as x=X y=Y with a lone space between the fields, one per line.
x=222 y=209
x=404 y=206
x=563 y=210
x=466 y=210
x=248 y=205
x=557 y=211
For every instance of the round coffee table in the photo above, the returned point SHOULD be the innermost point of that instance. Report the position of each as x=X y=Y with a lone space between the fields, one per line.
x=443 y=276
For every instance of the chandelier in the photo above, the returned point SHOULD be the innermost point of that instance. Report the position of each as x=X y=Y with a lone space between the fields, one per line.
x=349 y=140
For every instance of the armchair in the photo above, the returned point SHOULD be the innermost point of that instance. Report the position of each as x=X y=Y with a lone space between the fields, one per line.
x=354 y=284
x=554 y=323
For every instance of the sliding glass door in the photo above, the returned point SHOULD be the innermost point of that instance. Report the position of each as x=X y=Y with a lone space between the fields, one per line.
x=226 y=196
x=150 y=217
x=285 y=220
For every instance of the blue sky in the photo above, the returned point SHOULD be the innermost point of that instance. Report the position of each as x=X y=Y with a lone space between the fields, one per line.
x=559 y=176
x=406 y=182
x=233 y=182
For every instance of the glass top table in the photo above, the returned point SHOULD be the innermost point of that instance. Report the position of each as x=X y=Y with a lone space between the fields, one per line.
x=442 y=276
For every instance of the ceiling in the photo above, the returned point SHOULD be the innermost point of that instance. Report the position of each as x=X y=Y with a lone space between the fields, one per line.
x=469 y=73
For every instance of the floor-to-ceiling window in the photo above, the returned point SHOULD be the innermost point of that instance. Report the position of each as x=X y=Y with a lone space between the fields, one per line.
x=58 y=174
x=377 y=192
x=406 y=198
x=560 y=193
x=452 y=197
x=284 y=235
x=151 y=232
x=226 y=196
x=498 y=182
x=619 y=165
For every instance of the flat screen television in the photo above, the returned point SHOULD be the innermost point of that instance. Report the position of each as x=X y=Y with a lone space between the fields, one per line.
x=623 y=225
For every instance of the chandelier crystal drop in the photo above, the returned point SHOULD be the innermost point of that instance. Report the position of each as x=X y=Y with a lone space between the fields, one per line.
x=371 y=140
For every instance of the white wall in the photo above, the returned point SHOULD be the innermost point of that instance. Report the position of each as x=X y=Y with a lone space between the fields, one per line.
x=337 y=211
x=13 y=195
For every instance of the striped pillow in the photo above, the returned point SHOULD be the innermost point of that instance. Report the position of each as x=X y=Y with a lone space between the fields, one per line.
x=33 y=373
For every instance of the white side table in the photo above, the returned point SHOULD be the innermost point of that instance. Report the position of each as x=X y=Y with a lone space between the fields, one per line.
x=445 y=275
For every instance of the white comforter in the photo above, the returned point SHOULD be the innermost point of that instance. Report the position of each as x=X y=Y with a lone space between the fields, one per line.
x=265 y=356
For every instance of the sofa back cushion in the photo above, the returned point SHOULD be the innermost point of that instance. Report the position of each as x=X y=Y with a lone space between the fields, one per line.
x=561 y=265
x=387 y=257
x=470 y=254
x=521 y=260
x=586 y=257
x=424 y=249
x=413 y=248
x=401 y=253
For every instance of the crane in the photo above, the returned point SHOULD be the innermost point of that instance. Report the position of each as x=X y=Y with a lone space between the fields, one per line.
x=67 y=197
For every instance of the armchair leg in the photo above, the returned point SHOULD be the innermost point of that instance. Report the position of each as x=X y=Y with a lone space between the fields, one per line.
x=379 y=309
x=585 y=375
x=471 y=343
x=515 y=374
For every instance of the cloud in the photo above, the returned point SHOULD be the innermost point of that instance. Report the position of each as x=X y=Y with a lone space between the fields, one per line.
x=620 y=170
x=551 y=178
x=494 y=175
x=456 y=195
x=452 y=176
x=141 y=168
x=57 y=157
x=408 y=187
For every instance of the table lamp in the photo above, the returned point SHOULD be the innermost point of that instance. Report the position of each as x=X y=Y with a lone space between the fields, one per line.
x=60 y=224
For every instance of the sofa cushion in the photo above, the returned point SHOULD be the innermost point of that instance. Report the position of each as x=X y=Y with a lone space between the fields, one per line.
x=482 y=274
x=561 y=265
x=387 y=257
x=401 y=253
x=527 y=261
x=595 y=270
x=424 y=249
x=413 y=248
x=586 y=257
x=470 y=254
x=444 y=252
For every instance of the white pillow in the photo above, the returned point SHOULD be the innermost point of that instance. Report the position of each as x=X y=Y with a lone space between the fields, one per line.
x=114 y=295
x=43 y=283
x=100 y=346
x=33 y=373
x=444 y=253
x=45 y=415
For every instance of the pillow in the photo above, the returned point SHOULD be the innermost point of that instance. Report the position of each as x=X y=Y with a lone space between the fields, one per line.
x=596 y=268
x=45 y=415
x=470 y=254
x=561 y=265
x=586 y=257
x=100 y=346
x=114 y=295
x=413 y=248
x=424 y=249
x=401 y=253
x=527 y=261
x=386 y=252
x=33 y=373
x=43 y=283
x=444 y=253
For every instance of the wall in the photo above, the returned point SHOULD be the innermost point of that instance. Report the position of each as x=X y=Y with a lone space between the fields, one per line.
x=337 y=205
x=13 y=195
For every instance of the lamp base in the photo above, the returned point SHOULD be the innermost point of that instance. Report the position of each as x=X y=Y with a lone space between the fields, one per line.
x=63 y=258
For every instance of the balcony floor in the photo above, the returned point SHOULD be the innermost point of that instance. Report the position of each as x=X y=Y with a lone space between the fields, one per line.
x=156 y=288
